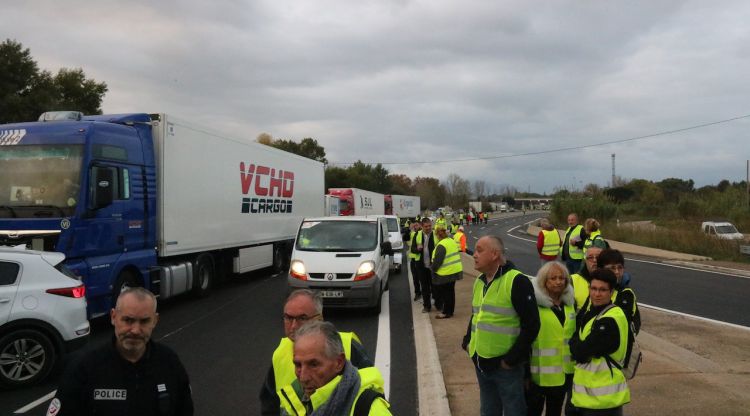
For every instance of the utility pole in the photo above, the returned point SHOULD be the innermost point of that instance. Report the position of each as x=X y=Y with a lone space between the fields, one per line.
x=747 y=184
x=613 y=170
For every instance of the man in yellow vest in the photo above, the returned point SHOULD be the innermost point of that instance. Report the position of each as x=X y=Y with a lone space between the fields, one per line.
x=415 y=257
x=548 y=242
x=504 y=323
x=446 y=269
x=302 y=306
x=424 y=246
x=326 y=382
x=599 y=387
x=571 y=251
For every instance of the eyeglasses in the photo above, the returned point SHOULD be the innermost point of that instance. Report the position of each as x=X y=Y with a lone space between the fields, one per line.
x=599 y=289
x=301 y=319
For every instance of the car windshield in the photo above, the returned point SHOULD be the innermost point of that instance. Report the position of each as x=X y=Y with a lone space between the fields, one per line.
x=393 y=225
x=338 y=236
x=726 y=229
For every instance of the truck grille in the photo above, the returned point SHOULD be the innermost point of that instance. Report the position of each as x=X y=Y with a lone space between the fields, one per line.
x=336 y=276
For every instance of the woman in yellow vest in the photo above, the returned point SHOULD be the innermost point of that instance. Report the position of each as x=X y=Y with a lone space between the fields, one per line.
x=550 y=367
x=599 y=387
x=446 y=270
x=593 y=234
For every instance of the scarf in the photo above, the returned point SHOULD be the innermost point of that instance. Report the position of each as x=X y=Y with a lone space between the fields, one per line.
x=342 y=399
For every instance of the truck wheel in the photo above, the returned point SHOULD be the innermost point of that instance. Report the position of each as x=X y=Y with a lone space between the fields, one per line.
x=280 y=258
x=203 y=274
x=28 y=356
x=378 y=307
x=126 y=279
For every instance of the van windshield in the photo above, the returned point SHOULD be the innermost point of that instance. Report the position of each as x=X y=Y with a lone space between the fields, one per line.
x=393 y=225
x=338 y=236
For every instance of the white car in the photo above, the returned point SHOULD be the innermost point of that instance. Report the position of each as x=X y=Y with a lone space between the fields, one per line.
x=345 y=258
x=42 y=314
x=396 y=239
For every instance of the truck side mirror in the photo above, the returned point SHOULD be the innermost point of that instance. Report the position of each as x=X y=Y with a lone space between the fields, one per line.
x=386 y=249
x=102 y=187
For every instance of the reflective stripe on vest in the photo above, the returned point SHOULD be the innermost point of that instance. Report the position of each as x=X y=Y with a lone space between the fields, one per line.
x=452 y=261
x=495 y=325
x=551 y=243
x=574 y=252
x=283 y=365
x=550 y=353
x=595 y=384
x=590 y=241
x=417 y=241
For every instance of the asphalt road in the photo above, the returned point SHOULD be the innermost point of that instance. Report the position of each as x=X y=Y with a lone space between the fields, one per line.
x=226 y=340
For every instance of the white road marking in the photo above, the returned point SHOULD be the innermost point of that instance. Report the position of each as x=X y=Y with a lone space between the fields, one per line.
x=383 y=347
x=700 y=318
x=36 y=403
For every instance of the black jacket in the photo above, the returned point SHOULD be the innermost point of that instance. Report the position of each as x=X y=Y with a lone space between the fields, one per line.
x=524 y=302
x=101 y=382
x=430 y=243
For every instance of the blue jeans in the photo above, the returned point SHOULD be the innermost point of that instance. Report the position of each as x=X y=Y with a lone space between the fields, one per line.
x=501 y=392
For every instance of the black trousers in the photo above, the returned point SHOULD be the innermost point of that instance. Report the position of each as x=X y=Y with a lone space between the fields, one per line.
x=553 y=397
x=425 y=281
x=415 y=276
x=447 y=296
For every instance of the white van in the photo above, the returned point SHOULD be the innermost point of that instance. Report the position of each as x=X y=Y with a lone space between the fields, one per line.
x=722 y=229
x=346 y=258
x=397 y=240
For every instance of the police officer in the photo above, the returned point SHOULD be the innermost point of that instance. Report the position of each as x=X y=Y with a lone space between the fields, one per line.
x=131 y=375
x=302 y=307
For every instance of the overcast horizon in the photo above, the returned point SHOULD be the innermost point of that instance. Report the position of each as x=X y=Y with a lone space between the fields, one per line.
x=499 y=83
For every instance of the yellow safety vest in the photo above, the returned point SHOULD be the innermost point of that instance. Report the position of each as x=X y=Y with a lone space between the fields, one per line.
x=590 y=240
x=551 y=243
x=580 y=289
x=283 y=364
x=495 y=325
x=454 y=228
x=574 y=252
x=457 y=238
x=416 y=256
x=595 y=384
x=550 y=353
x=452 y=262
x=369 y=378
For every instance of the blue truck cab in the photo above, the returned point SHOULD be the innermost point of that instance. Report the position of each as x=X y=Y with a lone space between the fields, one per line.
x=85 y=187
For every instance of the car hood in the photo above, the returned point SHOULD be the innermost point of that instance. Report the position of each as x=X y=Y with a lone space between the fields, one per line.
x=332 y=262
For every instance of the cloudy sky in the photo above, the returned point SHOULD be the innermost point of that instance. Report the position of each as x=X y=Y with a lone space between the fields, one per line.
x=483 y=85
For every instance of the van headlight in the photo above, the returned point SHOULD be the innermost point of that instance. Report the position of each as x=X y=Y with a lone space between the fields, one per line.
x=365 y=270
x=297 y=270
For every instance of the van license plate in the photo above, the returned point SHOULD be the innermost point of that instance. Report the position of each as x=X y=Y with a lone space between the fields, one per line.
x=331 y=294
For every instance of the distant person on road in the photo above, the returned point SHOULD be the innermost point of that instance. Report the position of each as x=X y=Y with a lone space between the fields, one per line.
x=446 y=270
x=503 y=324
x=302 y=306
x=593 y=234
x=547 y=242
x=425 y=245
x=551 y=368
x=622 y=296
x=460 y=238
x=571 y=251
x=326 y=383
x=599 y=387
x=131 y=374
x=583 y=277
x=414 y=258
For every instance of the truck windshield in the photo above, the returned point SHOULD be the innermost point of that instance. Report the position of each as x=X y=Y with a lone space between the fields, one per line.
x=39 y=180
x=726 y=229
x=338 y=236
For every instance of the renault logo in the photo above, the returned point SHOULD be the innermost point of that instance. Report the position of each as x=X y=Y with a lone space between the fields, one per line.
x=329 y=276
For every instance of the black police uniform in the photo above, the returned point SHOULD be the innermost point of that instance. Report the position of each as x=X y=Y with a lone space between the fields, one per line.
x=101 y=382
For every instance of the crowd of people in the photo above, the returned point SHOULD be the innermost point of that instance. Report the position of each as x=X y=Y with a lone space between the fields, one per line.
x=552 y=343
